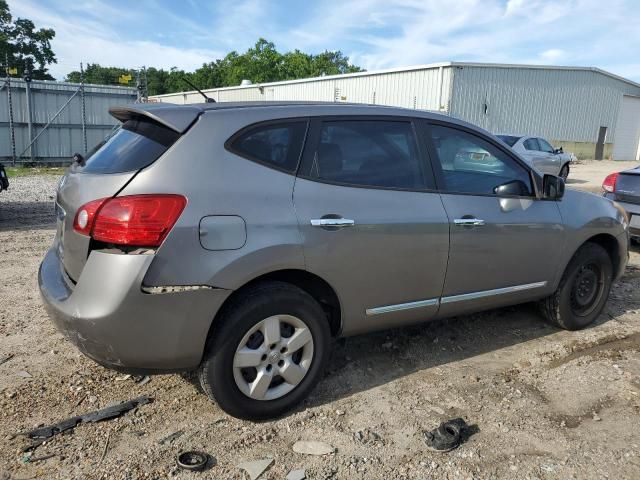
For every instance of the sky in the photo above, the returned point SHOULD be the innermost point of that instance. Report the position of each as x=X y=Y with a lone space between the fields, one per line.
x=375 y=34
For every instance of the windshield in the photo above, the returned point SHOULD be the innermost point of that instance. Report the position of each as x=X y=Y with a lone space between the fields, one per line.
x=133 y=145
x=509 y=139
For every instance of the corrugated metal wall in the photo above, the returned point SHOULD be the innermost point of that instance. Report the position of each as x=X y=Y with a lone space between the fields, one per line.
x=64 y=136
x=416 y=88
x=558 y=104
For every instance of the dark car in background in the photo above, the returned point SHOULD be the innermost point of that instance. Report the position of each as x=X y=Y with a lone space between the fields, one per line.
x=4 y=180
x=624 y=188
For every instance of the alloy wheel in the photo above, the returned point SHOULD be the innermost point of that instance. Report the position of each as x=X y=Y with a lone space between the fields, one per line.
x=273 y=357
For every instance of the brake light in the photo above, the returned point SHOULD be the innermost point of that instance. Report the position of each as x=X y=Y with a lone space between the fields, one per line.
x=609 y=184
x=135 y=220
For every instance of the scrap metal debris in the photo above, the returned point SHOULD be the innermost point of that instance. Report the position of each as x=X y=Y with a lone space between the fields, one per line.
x=6 y=358
x=256 y=468
x=448 y=435
x=171 y=438
x=192 y=460
x=41 y=434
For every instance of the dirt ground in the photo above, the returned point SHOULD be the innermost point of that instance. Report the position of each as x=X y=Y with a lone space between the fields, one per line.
x=546 y=403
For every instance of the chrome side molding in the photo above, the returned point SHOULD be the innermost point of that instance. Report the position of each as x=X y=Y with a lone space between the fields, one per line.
x=490 y=293
x=453 y=298
x=402 y=306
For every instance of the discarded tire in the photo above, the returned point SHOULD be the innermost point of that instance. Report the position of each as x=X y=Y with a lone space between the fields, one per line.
x=447 y=436
x=194 y=461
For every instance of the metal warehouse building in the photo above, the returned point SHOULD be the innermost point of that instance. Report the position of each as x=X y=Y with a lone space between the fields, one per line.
x=588 y=111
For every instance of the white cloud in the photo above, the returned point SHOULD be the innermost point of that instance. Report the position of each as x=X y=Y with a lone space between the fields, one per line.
x=82 y=37
x=374 y=33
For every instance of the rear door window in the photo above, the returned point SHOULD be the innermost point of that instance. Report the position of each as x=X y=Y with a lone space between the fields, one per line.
x=276 y=145
x=372 y=153
x=135 y=144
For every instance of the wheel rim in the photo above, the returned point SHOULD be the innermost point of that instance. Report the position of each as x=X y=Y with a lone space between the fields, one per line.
x=587 y=288
x=273 y=357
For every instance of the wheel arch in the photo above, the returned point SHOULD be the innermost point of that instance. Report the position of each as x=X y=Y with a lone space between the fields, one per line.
x=610 y=244
x=311 y=283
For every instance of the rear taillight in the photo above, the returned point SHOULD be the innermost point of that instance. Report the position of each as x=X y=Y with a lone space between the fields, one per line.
x=83 y=221
x=135 y=220
x=609 y=184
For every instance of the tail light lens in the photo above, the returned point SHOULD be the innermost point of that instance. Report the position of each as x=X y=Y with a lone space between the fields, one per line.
x=609 y=184
x=135 y=220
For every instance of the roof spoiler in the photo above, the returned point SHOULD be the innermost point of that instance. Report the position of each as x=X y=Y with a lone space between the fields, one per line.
x=176 y=117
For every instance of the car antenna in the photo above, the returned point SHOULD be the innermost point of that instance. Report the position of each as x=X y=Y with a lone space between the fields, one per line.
x=207 y=99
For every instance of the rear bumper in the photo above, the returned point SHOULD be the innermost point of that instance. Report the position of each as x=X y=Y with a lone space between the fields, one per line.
x=632 y=210
x=111 y=320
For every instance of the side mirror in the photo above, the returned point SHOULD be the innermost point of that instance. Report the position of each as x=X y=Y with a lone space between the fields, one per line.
x=512 y=188
x=552 y=187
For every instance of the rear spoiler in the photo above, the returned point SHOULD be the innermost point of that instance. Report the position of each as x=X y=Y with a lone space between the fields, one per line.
x=176 y=117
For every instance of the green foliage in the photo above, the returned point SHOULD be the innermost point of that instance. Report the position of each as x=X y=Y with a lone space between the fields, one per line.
x=262 y=63
x=27 y=47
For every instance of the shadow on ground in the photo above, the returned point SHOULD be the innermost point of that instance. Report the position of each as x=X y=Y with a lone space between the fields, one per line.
x=29 y=215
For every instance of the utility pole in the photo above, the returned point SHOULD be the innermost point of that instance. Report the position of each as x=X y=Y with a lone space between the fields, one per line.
x=83 y=110
x=141 y=85
x=27 y=83
x=11 y=127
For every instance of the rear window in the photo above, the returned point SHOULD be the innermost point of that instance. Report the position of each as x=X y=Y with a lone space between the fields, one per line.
x=277 y=145
x=135 y=144
x=509 y=139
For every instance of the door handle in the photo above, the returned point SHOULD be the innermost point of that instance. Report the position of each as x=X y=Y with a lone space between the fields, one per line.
x=332 y=222
x=465 y=222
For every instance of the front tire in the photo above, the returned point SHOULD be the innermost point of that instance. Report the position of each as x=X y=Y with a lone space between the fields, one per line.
x=268 y=353
x=583 y=290
x=564 y=172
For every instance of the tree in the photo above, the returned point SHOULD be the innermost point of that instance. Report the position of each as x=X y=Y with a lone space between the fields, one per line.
x=261 y=63
x=28 y=48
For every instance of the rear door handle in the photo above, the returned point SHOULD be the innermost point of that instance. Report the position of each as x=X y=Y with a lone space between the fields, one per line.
x=463 y=222
x=332 y=222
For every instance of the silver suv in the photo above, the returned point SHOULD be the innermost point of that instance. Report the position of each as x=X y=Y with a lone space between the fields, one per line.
x=240 y=239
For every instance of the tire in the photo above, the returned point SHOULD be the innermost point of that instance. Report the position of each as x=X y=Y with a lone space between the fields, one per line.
x=564 y=172
x=256 y=310
x=574 y=305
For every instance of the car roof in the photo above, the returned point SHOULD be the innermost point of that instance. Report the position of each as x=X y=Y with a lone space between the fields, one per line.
x=180 y=117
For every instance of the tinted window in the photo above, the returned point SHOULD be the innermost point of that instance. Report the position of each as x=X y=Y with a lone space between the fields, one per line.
x=470 y=164
x=373 y=153
x=509 y=139
x=278 y=145
x=132 y=146
x=544 y=145
x=531 y=144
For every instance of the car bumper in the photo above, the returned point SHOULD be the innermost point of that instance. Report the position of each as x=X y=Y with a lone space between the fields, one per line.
x=633 y=210
x=111 y=320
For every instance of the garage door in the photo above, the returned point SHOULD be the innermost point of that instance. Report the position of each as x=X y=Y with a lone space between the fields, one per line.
x=627 y=141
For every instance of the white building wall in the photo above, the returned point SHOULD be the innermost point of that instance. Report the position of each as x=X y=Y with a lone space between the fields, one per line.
x=425 y=88
x=549 y=102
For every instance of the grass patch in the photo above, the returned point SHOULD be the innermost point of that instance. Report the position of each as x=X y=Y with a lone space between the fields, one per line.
x=30 y=171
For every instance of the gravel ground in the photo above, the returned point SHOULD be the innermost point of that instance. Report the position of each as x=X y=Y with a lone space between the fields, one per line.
x=546 y=403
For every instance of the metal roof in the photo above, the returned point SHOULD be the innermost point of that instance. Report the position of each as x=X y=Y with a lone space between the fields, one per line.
x=414 y=68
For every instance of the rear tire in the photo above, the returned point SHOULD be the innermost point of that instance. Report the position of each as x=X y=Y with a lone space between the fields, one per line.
x=583 y=290
x=248 y=370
